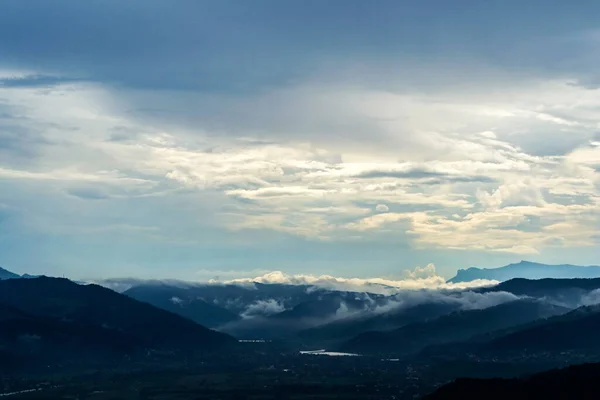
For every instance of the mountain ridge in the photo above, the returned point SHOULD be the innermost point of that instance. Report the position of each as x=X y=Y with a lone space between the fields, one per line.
x=62 y=299
x=6 y=274
x=527 y=270
x=452 y=327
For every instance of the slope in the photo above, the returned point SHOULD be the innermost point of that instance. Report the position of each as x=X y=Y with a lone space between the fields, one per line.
x=574 y=382
x=5 y=274
x=344 y=329
x=183 y=301
x=92 y=305
x=576 y=330
x=456 y=326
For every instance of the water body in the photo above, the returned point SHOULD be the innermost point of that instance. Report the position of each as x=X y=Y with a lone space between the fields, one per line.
x=328 y=353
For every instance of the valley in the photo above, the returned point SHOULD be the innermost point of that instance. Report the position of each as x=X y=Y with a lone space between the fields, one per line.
x=62 y=340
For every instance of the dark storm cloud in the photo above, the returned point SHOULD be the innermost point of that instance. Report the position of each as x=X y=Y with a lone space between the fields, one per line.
x=201 y=44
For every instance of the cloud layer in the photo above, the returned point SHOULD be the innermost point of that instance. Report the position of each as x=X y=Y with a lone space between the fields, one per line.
x=420 y=278
x=257 y=143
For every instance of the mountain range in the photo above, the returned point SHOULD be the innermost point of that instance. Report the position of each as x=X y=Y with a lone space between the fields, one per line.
x=184 y=301
x=5 y=274
x=63 y=322
x=528 y=270
x=338 y=331
x=523 y=269
x=53 y=320
x=575 y=330
x=456 y=326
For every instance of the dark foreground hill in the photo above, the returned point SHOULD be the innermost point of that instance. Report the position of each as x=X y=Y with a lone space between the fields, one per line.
x=574 y=331
x=570 y=337
x=51 y=318
x=575 y=382
x=30 y=342
x=457 y=326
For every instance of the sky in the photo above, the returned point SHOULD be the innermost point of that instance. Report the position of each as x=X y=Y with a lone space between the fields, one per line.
x=226 y=139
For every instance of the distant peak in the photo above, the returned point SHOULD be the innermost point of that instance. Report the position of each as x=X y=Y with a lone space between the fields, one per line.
x=527 y=270
x=6 y=274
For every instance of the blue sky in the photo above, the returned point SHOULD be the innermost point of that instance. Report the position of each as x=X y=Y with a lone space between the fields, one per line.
x=198 y=139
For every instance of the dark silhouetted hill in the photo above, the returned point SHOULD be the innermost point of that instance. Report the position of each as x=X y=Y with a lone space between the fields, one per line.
x=57 y=305
x=576 y=330
x=457 y=326
x=575 y=382
x=33 y=342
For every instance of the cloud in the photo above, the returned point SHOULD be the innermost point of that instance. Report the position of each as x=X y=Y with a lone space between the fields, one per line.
x=591 y=298
x=425 y=176
x=382 y=208
x=140 y=32
x=263 y=308
x=464 y=300
x=420 y=278
x=523 y=193
x=449 y=192
x=87 y=193
x=176 y=300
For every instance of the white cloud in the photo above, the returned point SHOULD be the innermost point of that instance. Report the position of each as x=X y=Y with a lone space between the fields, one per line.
x=420 y=278
x=382 y=208
x=465 y=300
x=176 y=300
x=263 y=308
x=591 y=298
x=448 y=186
x=488 y=134
x=523 y=193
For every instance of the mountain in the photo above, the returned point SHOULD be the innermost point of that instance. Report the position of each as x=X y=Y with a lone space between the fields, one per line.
x=344 y=329
x=28 y=276
x=236 y=298
x=544 y=287
x=569 y=292
x=575 y=382
x=456 y=326
x=573 y=331
x=256 y=310
x=183 y=301
x=528 y=270
x=324 y=305
x=28 y=341
x=318 y=307
x=54 y=302
x=5 y=274
x=570 y=334
x=8 y=312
